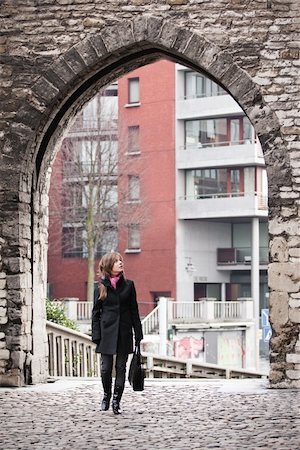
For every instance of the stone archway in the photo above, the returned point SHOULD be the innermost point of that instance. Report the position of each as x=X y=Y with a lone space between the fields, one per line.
x=54 y=98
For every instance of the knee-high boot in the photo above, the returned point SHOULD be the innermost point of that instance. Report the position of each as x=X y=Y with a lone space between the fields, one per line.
x=117 y=395
x=106 y=383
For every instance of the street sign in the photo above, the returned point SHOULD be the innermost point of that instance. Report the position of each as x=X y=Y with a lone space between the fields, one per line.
x=265 y=318
x=267 y=333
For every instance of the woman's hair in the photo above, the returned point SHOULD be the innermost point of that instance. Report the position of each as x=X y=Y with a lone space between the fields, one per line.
x=104 y=270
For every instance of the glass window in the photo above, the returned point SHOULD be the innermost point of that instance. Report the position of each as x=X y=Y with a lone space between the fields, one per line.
x=109 y=242
x=206 y=183
x=134 y=237
x=133 y=139
x=72 y=240
x=133 y=90
x=218 y=132
x=206 y=133
x=248 y=131
x=133 y=188
x=198 y=85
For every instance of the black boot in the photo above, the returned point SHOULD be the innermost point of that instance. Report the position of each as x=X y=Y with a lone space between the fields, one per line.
x=106 y=383
x=118 y=391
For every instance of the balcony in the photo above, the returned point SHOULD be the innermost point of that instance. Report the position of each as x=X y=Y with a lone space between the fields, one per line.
x=215 y=106
x=222 y=205
x=244 y=153
x=240 y=257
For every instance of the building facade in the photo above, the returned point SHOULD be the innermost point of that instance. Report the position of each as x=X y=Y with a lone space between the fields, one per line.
x=192 y=199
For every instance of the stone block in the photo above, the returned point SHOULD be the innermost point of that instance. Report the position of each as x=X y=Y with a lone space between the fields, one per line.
x=284 y=277
x=2 y=284
x=74 y=61
x=12 y=379
x=2 y=344
x=3 y=320
x=2 y=335
x=18 y=359
x=293 y=358
x=279 y=307
x=279 y=249
x=87 y=52
x=3 y=293
x=275 y=376
x=45 y=90
x=294 y=252
x=293 y=374
x=4 y=353
x=294 y=315
x=116 y=34
x=278 y=226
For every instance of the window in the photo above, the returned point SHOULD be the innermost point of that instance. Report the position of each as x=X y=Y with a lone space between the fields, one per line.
x=133 y=188
x=133 y=90
x=108 y=243
x=217 y=132
x=207 y=183
x=133 y=145
x=134 y=237
x=73 y=246
x=197 y=85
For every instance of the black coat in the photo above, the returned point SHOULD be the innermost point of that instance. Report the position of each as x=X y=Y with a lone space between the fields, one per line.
x=115 y=318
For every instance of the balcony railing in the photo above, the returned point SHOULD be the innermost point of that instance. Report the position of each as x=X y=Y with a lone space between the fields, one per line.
x=203 y=145
x=240 y=255
x=262 y=200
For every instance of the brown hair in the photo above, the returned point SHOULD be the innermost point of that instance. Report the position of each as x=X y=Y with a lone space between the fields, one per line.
x=104 y=270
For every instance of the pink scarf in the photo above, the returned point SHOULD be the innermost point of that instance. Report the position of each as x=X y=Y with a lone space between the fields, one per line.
x=114 y=280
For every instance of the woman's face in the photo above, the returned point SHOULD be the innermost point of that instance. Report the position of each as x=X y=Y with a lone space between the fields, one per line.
x=117 y=267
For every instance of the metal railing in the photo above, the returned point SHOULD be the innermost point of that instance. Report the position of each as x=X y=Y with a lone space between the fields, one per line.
x=203 y=145
x=262 y=200
x=240 y=255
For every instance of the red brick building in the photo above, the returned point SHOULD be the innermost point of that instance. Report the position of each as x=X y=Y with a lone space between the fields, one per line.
x=146 y=117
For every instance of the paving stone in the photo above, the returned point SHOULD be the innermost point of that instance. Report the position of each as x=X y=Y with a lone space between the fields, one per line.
x=167 y=415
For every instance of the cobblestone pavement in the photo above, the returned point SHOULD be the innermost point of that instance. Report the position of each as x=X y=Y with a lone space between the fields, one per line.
x=174 y=414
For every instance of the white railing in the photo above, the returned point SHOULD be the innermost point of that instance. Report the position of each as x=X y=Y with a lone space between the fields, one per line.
x=71 y=353
x=228 y=310
x=150 y=323
x=168 y=367
x=187 y=312
x=84 y=310
x=203 y=311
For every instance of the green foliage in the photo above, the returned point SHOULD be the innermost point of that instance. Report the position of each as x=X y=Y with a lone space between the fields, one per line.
x=56 y=313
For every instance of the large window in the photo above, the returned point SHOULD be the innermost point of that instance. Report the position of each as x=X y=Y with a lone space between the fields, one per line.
x=133 y=90
x=75 y=242
x=203 y=183
x=134 y=237
x=218 y=132
x=197 y=85
x=133 y=145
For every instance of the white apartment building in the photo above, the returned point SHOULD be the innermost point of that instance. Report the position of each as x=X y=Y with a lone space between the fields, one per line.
x=221 y=241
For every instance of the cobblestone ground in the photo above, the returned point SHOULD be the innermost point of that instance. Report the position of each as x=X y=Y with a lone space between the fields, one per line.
x=183 y=415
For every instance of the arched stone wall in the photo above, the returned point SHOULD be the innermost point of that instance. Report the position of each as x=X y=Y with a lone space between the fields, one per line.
x=66 y=76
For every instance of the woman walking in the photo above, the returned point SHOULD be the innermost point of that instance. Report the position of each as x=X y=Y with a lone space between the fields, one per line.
x=114 y=317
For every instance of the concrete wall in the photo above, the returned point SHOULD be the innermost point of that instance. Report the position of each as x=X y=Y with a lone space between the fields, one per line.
x=56 y=54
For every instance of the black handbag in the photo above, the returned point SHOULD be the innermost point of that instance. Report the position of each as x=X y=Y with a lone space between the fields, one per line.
x=136 y=375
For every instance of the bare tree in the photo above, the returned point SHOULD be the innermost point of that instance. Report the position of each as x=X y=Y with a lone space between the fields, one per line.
x=93 y=188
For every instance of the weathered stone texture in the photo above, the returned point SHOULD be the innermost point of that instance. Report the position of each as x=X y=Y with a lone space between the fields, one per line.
x=49 y=51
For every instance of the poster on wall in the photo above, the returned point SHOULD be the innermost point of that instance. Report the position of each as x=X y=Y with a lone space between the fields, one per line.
x=230 y=349
x=189 y=347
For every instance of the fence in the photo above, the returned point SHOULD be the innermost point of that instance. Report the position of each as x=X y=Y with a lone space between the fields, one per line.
x=71 y=353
